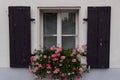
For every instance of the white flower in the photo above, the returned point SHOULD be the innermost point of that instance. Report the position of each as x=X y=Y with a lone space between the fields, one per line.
x=72 y=72
x=68 y=73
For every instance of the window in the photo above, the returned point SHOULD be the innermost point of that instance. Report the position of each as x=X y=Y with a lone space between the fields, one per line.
x=59 y=27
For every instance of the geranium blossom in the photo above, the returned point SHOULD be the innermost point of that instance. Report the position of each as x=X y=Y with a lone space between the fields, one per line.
x=58 y=49
x=78 y=55
x=57 y=63
x=48 y=72
x=52 y=48
x=63 y=75
x=54 y=55
x=57 y=70
x=74 y=60
x=63 y=57
x=39 y=65
x=74 y=51
x=31 y=58
x=30 y=71
x=45 y=56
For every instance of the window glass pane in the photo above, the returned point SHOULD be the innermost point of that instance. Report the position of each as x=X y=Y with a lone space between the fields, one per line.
x=50 y=23
x=49 y=41
x=68 y=23
x=68 y=42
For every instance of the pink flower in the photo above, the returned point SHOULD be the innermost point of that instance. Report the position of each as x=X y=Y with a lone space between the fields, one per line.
x=48 y=66
x=83 y=46
x=71 y=54
x=52 y=48
x=34 y=52
x=73 y=68
x=63 y=57
x=49 y=76
x=59 y=49
x=55 y=59
x=57 y=79
x=31 y=58
x=48 y=72
x=60 y=64
x=58 y=54
x=78 y=55
x=45 y=56
x=77 y=77
x=40 y=49
x=63 y=75
x=30 y=71
x=49 y=61
x=64 y=79
x=57 y=70
x=35 y=69
x=49 y=57
x=74 y=51
x=74 y=60
x=78 y=48
x=37 y=63
x=81 y=70
x=54 y=55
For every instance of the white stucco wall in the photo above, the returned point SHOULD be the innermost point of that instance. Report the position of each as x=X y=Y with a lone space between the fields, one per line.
x=115 y=24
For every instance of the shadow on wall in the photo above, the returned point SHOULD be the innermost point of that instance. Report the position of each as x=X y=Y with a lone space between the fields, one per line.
x=95 y=74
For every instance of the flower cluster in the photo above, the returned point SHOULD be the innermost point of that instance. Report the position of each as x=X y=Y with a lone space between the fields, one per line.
x=57 y=63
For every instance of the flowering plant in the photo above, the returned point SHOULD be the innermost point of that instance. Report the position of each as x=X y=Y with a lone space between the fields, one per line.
x=57 y=63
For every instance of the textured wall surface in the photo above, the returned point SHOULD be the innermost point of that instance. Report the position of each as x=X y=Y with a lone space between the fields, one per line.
x=95 y=74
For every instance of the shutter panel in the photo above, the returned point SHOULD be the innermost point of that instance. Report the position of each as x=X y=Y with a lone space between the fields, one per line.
x=92 y=39
x=98 y=39
x=104 y=36
x=20 y=43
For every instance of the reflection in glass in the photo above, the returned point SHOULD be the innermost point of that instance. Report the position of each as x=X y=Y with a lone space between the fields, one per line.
x=49 y=41
x=68 y=23
x=50 y=23
x=68 y=42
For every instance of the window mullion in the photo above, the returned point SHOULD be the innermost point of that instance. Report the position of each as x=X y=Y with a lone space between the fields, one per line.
x=76 y=29
x=59 y=26
x=41 y=32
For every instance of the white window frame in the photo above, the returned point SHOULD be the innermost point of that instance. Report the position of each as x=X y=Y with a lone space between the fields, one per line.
x=59 y=36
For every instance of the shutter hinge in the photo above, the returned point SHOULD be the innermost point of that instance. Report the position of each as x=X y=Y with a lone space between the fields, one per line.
x=32 y=19
x=85 y=19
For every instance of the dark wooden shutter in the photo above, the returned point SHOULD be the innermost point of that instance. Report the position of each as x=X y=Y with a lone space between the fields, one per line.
x=92 y=37
x=20 y=36
x=98 y=40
